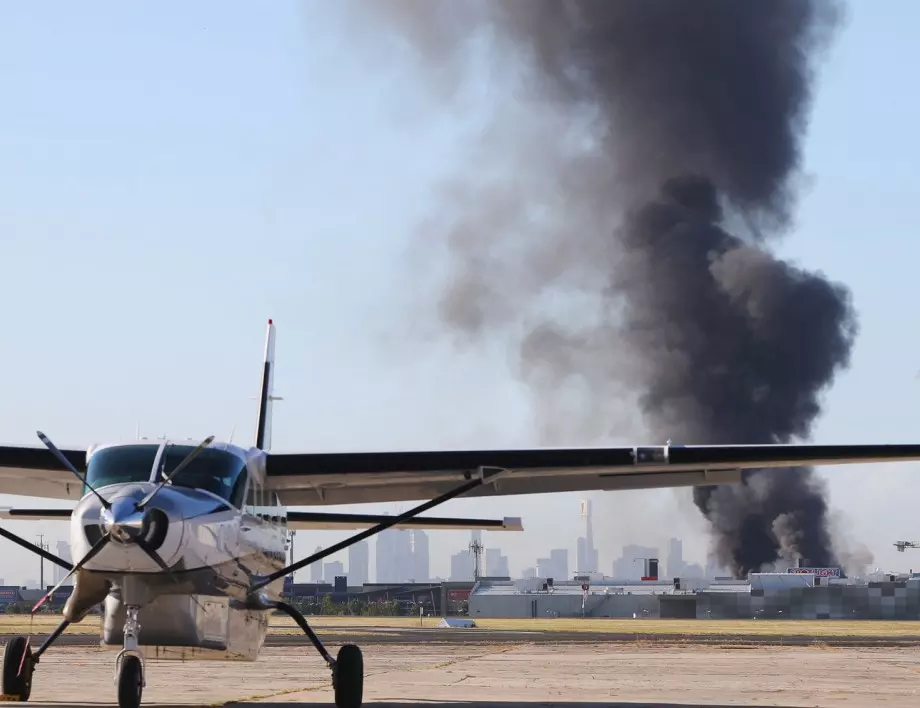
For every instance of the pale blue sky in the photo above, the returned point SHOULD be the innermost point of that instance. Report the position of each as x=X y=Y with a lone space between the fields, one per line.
x=172 y=175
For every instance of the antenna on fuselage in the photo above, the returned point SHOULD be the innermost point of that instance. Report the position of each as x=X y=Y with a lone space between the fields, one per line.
x=232 y=430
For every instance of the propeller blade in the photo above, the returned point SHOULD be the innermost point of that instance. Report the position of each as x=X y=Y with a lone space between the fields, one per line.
x=182 y=465
x=83 y=561
x=154 y=556
x=145 y=547
x=64 y=461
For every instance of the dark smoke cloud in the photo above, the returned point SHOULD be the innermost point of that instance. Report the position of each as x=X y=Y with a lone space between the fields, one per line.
x=650 y=152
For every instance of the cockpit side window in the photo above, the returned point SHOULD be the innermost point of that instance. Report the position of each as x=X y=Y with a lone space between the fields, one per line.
x=237 y=498
x=253 y=498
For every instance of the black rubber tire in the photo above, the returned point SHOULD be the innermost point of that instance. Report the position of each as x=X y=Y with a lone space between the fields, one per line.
x=348 y=677
x=130 y=682
x=14 y=683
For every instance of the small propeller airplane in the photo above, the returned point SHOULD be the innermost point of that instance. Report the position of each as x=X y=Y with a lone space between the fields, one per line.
x=185 y=545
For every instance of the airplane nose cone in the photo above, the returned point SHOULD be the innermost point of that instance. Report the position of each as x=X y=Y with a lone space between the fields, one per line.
x=123 y=520
x=126 y=524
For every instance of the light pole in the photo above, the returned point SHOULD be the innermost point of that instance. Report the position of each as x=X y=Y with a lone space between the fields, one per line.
x=41 y=561
x=292 y=551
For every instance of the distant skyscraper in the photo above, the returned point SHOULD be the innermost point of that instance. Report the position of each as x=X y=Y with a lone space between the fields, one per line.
x=63 y=551
x=630 y=565
x=586 y=554
x=331 y=569
x=560 y=558
x=529 y=572
x=359 y=559
x=496 y=563
x=394 y=556
x=461 y=567
x=421 y=557
x=316 y=569
x=676 y=562
x=556 y=566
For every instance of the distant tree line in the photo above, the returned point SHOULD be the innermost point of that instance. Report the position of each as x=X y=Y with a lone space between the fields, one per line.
x=353 y=606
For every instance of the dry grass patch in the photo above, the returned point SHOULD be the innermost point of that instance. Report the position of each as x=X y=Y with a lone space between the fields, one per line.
x=43 y=624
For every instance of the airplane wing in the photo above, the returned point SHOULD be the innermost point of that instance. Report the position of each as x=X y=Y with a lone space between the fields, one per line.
x=321 y=520
x=34 y=472
x=311 y=479
x=316 y=479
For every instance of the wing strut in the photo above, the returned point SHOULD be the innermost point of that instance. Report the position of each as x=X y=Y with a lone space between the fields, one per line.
x=485 y=476
x=35 y=549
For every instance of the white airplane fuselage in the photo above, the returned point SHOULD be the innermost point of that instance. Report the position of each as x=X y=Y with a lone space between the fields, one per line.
x=215 y=533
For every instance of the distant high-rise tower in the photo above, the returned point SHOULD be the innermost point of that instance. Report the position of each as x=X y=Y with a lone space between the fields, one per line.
x=676 y=562
x=359 y=558
x=332 y=569
x=421 y=557
x=63 y=551
x=496 y=564
x=586 y=553
x=316 y=569
x=394 y=556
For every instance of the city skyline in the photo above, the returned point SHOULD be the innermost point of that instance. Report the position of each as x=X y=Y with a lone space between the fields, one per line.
x=405 y=556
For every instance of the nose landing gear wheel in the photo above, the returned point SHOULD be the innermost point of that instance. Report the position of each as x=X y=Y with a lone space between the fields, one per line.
x=130 y=682
x=348 y=677
x=17 y=669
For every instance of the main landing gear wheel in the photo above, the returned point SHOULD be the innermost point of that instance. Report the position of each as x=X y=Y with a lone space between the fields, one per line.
x=17 y=668
x=130 y=682
x=348 y=677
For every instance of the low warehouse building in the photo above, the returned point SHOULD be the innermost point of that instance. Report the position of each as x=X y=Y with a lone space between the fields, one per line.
x=766 y=595
x=522 y=598
x=779 y=596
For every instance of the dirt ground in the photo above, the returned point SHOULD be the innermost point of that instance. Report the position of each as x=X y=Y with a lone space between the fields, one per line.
x=480 y=675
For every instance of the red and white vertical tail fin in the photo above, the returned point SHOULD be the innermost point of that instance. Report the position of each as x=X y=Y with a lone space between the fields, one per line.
x=266 y=395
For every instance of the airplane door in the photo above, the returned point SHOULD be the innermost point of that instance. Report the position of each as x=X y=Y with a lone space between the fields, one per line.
x=251 y=521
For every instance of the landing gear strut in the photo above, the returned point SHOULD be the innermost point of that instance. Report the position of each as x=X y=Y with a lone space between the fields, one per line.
x=129 y=664
x=347 y=667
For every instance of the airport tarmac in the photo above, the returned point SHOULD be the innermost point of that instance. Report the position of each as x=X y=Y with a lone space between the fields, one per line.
x=404 y=635
x=509 y=673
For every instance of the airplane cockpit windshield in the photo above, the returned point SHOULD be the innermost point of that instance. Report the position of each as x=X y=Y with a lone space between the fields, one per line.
x=212 y=470
x=121 y=464
x=215 y=471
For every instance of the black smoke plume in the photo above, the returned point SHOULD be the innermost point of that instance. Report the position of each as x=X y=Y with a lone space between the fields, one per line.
x=651 y=150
